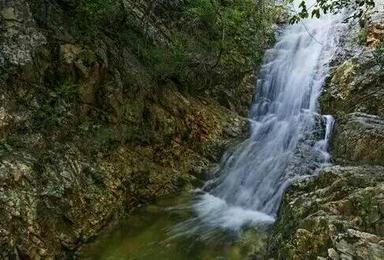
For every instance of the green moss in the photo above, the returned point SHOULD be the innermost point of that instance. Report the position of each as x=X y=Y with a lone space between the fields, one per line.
x=362 y=37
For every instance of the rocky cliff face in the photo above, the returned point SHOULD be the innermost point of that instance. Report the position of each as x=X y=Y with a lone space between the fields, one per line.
x=339 y=214
x=87 y=134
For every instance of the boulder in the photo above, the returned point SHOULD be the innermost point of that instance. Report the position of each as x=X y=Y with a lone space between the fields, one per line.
x=355 y=86
x=359 y=139
x=337 y=215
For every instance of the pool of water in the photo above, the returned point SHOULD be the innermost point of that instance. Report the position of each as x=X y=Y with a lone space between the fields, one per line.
x=150 y=233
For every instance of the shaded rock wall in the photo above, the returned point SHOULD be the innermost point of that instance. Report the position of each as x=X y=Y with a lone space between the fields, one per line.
x=86 y=134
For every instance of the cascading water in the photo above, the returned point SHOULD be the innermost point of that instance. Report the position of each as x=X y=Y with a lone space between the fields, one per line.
x=287 y=139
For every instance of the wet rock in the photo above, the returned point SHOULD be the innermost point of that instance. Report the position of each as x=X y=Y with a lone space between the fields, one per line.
x=359 y=139
x=318 y=216
x=332 y=253
x=355 y=85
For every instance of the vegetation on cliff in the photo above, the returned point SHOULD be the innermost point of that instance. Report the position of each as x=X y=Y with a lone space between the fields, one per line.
x=198 y=44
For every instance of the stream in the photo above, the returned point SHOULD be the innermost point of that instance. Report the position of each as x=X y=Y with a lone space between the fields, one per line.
x=149 y=234
x=288 y=140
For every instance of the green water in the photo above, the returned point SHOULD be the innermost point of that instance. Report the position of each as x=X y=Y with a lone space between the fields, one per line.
x=146 y=235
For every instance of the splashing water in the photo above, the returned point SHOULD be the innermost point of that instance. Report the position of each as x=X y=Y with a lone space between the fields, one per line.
x=287 y=139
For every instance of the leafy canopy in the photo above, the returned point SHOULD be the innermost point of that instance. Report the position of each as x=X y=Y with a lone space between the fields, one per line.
x=358 y=8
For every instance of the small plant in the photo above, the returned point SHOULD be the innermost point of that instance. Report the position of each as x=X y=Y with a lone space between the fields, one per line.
x=362 y=37
x=91 y=17
x=98 y=9
x=56 y=106
x=379 y=55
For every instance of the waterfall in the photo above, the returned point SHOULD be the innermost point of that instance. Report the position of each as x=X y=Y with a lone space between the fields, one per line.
x=287 y=141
